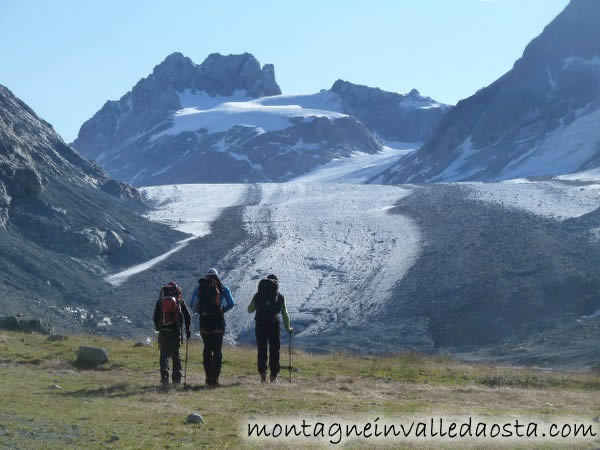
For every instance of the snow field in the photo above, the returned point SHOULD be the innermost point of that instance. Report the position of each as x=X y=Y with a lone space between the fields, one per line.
x=189 y=208
x=586 y=176
x=545 y=198
x=335 y=247
x=358 y=168
x=217 y=114
x=563 y=150
x=338 y=252
x=119 y=278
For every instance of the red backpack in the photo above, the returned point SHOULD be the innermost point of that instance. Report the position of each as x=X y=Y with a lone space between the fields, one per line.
x=170 y=308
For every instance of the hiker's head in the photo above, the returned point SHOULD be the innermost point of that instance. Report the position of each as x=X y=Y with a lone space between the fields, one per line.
x=212 y=272
x=171 y=290
x=272 y=277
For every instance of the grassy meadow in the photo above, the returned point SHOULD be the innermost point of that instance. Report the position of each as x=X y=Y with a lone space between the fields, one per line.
x=46 y=402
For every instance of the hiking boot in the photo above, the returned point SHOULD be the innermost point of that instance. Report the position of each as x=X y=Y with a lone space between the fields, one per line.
x=274 y=379
x=216 y=383
x=263 y=377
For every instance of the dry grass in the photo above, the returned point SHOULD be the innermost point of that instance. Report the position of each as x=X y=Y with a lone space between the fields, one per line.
x=123 y=398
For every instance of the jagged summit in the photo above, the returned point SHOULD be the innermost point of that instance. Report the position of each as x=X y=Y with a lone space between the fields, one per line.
x=216 y=75
x=155 y=98
x=224 y=74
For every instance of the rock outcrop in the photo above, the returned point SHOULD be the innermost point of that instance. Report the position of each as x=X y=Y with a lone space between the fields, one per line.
x=25 y=324
x=396 y=117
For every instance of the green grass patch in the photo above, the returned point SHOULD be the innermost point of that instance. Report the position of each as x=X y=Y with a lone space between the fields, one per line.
x=45 y=401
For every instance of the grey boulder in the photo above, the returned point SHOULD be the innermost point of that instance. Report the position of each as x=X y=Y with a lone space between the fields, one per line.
x=91 y=356
x=194 y=418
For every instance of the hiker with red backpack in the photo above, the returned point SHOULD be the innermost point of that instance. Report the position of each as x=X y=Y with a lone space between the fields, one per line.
x=268 y=303
x=211 y=300
x=170 y=314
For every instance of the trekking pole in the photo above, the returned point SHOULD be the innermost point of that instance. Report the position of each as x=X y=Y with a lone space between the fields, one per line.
x=290 y=354
x=187 y=342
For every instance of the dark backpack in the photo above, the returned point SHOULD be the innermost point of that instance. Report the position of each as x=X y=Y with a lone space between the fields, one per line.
x=267 y=301
x=209 y=297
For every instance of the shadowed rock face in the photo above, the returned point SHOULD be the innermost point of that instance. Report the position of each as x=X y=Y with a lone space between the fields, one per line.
x=243 y=154
x=33 y=161
x=538 y=119
x=63 y=221
x=31 y=153
x=406 y=118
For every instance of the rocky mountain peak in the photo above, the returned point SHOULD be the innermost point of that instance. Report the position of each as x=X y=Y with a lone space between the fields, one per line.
x=217 y=75
x=340 y=86
x=269 y=85
x=224 y=74
x=174 y=58
x=154 y=99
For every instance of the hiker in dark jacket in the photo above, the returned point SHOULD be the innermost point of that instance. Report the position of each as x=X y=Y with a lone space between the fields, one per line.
x=268 y=303
x=211 y=300
x=170 y=314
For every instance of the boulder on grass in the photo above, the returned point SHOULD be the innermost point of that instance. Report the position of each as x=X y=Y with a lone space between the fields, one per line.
x=194 y=417
x=91 y=356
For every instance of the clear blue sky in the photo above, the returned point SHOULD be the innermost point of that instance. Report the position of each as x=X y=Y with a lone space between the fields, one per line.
x=66 y=58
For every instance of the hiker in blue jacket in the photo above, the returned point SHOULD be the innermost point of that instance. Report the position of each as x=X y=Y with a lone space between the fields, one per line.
x=211 y=300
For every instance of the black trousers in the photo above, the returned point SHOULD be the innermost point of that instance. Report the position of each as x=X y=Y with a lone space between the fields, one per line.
x=267 y=341
x=212 y=355
x=169 y=348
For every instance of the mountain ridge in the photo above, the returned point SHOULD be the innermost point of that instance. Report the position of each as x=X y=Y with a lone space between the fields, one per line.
x=228 y=114
x=535 y=120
